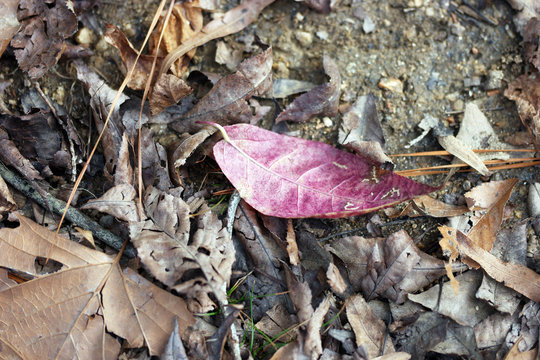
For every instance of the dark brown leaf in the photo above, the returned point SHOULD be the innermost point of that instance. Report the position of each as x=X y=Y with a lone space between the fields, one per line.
x=45 y=26
x=167 y=91
x=320 y=101
x=10 y=155
x=525 y=91
x=322 y=6
x=226 y=101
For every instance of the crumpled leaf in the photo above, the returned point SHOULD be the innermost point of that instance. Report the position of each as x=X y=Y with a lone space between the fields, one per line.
x=168 y=90
x=515 y=276
x=185 y=21
x=531 y=48
x=463 y=307
x=64 y=314
x=370 y=331
x=484 y=231
x=232 y=21
x=288 y=177
x=492 y=331
x=40 y=43
x=525 y=91
x=530 y=326
x=322 y=100
x=226 y=101
x=194 y=265
x=527 y=9
x=426 y=205
x=101 y=98
x=396 y=267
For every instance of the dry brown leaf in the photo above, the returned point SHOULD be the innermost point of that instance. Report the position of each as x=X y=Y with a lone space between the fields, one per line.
x=46 y=25
x=463 y=308
x=167 y=91
x=525 y=91
x=335 y=280
x=292 y=247
x=278 y=322
x=492 y=331
x=312 y=341
x=226 y=101
x=64 y=314
x=9 y=24
x=118 y=201
x=7 y=204
x=463 y=152
x=232 y=21
x=394 y=356
x=530 y=325
x=186 y=146
x=322 y=100
x=361 y=122
x=515 y=354
x=300 y=295
x=531 y=48
x=518 y=277
x=118 y=39
x=426 y=332
x=370 y=331
x=483 y=233
x=186 y=21
x=226 y=55
x=391 y=268
x=196 y=265
x=426 y=205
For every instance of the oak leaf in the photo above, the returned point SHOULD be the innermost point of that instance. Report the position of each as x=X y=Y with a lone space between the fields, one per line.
x=64 y=314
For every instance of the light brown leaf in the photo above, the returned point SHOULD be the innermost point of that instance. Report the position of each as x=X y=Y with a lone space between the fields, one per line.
x=322 y=100
x=335 y=280
x=492 y=331
x=300 y=295
x=118 y=201
x=167 y=91
x=517 y=277
x=7 y=204
x=292 y=247
x=196 y=265
x=370 y=331
x=484 y=231
x=58 y=315
x=276 y=322
x=232 y=21
x=185 y=22
x=463 y=308
x=460 y=150
x=312 y=341
x=9 y=24
x=515 y=354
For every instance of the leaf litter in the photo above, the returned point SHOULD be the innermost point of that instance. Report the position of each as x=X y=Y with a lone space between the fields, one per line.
x=294 y=297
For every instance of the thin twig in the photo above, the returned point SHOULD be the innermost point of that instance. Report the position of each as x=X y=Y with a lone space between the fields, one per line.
x=73 y=215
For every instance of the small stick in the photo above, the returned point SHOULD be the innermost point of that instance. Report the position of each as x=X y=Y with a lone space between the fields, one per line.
x=73 y=215
x=444 y=152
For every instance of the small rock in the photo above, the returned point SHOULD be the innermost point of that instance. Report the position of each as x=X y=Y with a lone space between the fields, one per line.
x=305 y=38
x=368 y=25
x=458 y=105
x=430 y=12
x=327 y=121
x=85 y=37
x=391 y=84
x=494 y=80
x=472 y=81
x=410 y=33
x=322 y=34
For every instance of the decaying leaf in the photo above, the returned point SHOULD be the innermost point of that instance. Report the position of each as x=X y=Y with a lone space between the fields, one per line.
x=361 y=122
x=335 y=280
x=186 y=20
x=463 y=307
x=426 y=205
x=427 y=331
x=515 y=276
x=370 y=331
x=46 y=25
x=525 y=91
x=527 y=9
x=226 y=101
x=531 y=48
x=460 y=150
x=530 y=326
x=232 y=21
x=276 y=322
x=64 y=314
x=313 y=179
x=7 y=204
x=292 y=247
x=492 y=331
x=396 y=267
x=485 y=229
x=167 y=91
x=194 y=265
x=320 y=101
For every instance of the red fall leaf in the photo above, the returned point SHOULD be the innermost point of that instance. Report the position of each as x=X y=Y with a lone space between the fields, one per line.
x=289 y=177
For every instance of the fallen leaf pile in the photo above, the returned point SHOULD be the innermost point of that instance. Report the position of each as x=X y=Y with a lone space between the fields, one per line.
x=239 y=241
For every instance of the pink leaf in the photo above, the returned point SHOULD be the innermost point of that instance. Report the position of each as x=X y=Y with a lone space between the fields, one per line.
x=289 y=177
